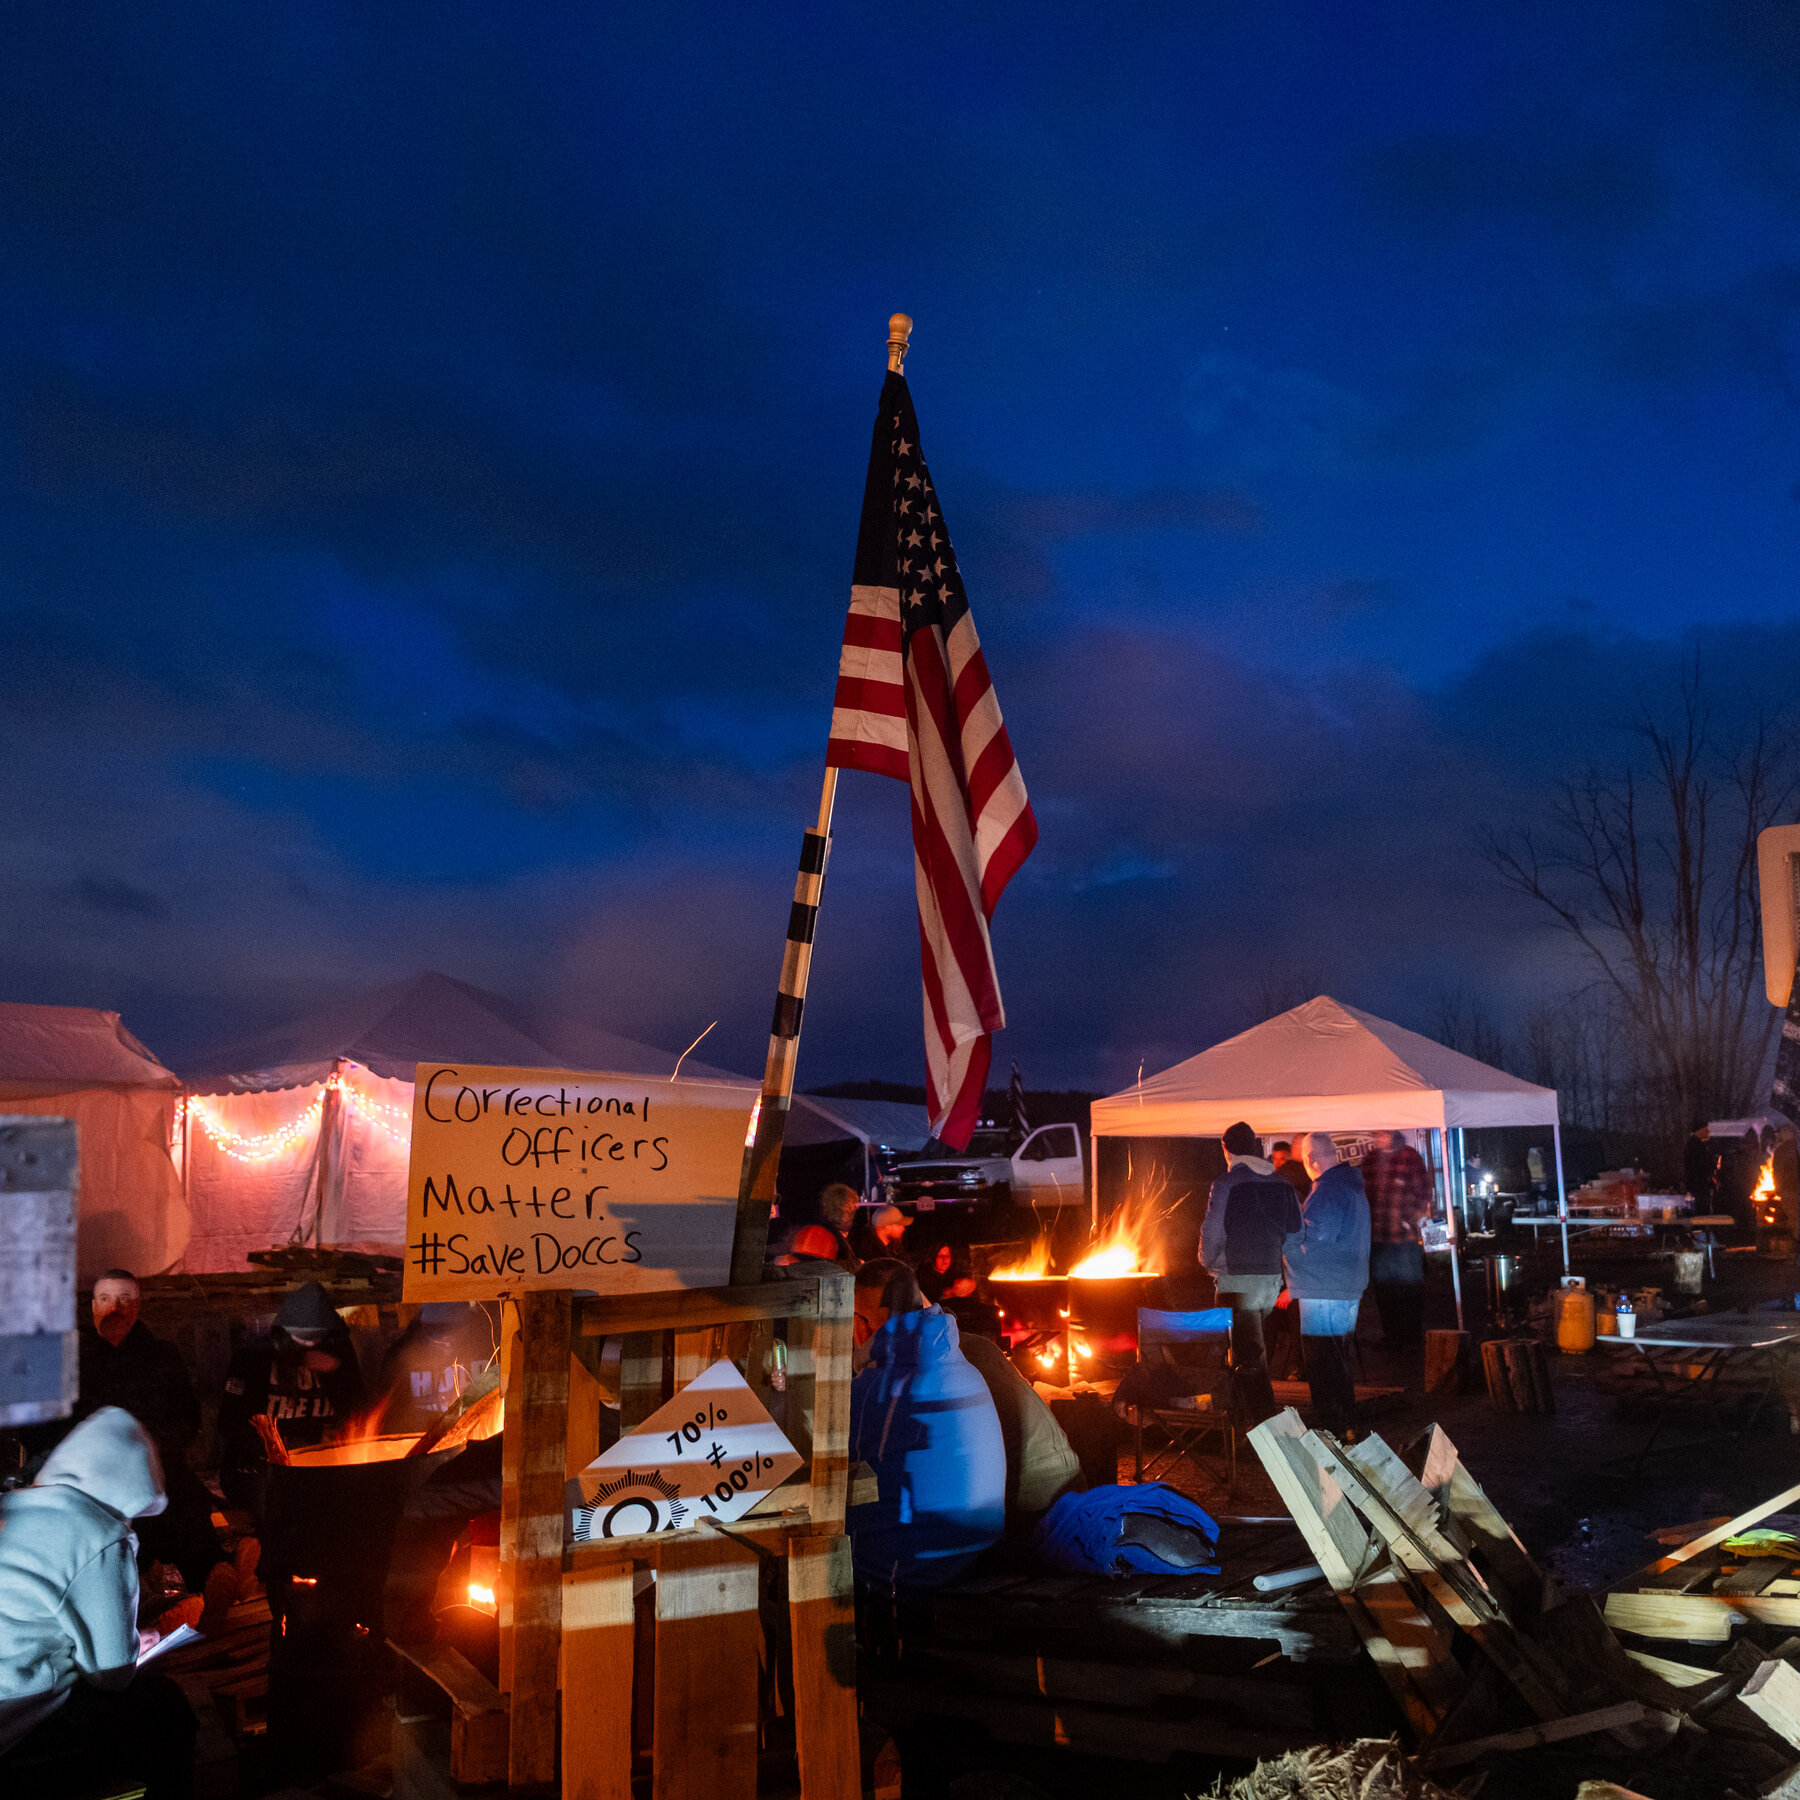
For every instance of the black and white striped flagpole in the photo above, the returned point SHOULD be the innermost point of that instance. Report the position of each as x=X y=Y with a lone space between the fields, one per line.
x=756 y=1185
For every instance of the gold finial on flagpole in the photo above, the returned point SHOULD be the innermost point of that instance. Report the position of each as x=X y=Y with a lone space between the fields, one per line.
x=899 y=330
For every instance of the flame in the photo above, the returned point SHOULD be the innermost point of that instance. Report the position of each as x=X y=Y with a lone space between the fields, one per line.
x=482 y=1597
x=1034 y=1265
x=1765 y=1184
x=1129 y=1239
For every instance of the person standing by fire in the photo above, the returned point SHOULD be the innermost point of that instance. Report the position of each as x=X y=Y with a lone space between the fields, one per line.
x=1250 y=1214
x=1399 y=1189
x=304 y=1378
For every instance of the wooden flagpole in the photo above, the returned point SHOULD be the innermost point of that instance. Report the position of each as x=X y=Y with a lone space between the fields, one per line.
x=762 y=1158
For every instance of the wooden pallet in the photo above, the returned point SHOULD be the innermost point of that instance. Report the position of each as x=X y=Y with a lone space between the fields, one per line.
x=568 y=1622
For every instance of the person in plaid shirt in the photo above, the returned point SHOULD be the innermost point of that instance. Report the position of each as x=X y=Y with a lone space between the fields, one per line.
x=1399 y=1188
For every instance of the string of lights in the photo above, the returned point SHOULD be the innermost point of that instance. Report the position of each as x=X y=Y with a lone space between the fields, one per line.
x=395 y=1122
x=263 y=1146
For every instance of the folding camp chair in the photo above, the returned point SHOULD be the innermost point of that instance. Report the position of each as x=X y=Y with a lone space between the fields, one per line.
x=1185 y=1356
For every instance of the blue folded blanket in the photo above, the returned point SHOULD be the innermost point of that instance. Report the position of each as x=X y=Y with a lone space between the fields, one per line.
x=1150 y=1529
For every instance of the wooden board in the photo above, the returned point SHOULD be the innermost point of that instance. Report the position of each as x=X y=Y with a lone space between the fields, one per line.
x=1274 y=1705
x=1087 y=1730
x=598 y=1650
x=820 y=1370
x=1773 y=1694
x=683 y=1309
x=707 y=1643
x=822 y=1614
x=540 y=1423
x=1411 y=1652
x=478 y=1711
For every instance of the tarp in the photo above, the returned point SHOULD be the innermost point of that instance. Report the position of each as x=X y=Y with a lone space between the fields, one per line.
x=1323 y=1067
x=77 y=1062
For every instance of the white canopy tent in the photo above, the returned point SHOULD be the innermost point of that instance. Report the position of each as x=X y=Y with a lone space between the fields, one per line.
x=875 y=1125
x=80 y=1063
x=1325 y=1066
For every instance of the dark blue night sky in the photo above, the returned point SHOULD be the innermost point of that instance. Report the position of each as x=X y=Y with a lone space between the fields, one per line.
x=431 y=440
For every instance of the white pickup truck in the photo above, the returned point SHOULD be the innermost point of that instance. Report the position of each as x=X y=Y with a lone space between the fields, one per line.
x=1048 y=1169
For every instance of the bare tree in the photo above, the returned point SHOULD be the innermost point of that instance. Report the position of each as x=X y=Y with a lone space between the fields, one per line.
x=1464 y=1023
x=1653 y=874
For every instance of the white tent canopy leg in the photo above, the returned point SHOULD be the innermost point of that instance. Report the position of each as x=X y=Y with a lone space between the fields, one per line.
x=1452 y=1147
x=1562 y=1199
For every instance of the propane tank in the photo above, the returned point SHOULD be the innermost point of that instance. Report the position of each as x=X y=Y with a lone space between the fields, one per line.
x=1574 y=1316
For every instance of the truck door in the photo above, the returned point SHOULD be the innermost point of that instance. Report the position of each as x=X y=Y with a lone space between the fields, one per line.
x=1047 y=1168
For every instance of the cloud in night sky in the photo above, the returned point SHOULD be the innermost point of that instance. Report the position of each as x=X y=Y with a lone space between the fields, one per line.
x=430 y=447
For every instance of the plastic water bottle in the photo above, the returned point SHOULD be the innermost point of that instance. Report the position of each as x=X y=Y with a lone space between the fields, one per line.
x=1627 y=1317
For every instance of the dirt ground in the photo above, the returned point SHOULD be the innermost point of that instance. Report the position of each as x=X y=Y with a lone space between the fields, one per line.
x=1569 y=1482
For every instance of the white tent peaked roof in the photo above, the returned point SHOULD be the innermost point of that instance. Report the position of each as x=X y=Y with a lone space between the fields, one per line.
x=1323 y=1067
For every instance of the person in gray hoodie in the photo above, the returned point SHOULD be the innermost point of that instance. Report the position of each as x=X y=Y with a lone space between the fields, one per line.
x=71 y=1712
x=1250 y=1213
x=1327 y=1270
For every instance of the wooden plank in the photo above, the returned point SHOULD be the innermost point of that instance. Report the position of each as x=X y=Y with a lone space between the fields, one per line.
x=1508 y=1565
x=1446 y=1361
x=640 y=1378
x=584 y=1418
x=1087 y=1730
x=822 y=1614
x=688 y=1308
x=479 y=1725
x=1676 y=1674
x=1277 y=1705
x=1406 y=1647
x=1552 y=1731
x=1730 y=1528
x=542 y=1426
x=1696 y=1618
x=512 y=1449
x=824 y=1344
x=1436 y=1562
x=1773 y=1694
x=1754 y=1577
x=646 y=1548
x=598 y=1650
x=695 y=1352
x=707 y=1641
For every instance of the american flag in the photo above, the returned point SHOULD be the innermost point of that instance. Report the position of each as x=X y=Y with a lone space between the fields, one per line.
x=914 y=701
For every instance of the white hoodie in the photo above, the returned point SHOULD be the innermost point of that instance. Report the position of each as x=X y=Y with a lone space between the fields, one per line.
x=68 y=1568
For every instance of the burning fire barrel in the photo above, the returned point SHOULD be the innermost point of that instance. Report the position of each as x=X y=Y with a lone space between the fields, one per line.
x=1103 y=1312
x=327 y=1538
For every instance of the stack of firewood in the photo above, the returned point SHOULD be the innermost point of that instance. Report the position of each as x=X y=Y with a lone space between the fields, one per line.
x=1487 y=1659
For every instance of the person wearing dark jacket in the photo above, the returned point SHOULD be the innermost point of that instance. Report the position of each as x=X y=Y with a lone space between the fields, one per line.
x=1250 y=1214
x=431 y=1362
x=1700 y=1166
x=1287 y=1164
x=1327 y=1270
x=124 y=1364
x=304 y=1377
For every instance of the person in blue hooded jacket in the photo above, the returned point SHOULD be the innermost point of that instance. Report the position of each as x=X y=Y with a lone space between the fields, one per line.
x=1327 y=1270
x=924 y=1421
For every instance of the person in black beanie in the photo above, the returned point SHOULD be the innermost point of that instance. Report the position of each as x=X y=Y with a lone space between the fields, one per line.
x=1250 y=1214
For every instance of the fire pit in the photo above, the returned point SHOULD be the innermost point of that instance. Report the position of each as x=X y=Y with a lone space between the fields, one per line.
x=327 y=1539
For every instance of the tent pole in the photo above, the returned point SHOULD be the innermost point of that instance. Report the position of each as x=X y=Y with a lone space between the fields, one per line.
x=1093 y=1182
x=1451 y=1219
x=1562 y=1199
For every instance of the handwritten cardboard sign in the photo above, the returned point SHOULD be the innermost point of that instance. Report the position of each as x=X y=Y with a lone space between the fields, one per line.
x=539 y=1178
x=711 y=1453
